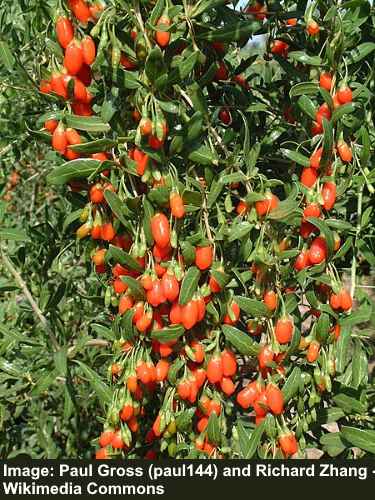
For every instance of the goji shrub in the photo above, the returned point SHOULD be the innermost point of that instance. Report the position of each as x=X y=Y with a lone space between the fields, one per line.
x=219 y=193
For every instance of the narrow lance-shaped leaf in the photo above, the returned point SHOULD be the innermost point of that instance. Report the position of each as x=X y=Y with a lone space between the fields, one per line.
x=102 y=390
x=189 y=285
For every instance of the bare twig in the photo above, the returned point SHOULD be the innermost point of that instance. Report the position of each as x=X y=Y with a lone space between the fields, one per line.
x=90 y=343
x=206 y=222
x=357 y=234
x=8 y=264
x=97 y=343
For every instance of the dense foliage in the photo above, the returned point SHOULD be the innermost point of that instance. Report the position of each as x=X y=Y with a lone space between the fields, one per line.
x=187 y=285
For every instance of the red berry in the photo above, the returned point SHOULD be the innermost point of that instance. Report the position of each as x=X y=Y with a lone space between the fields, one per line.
x=318 y=250
x=284 y=329
x=203 y=257
x=177 y=205
x=329 y=195
x=215 y=369
x=325 y=81
x=73 y=59
x=275 y=399
x=344 y=94
x=88 y=50
x=64 y=31
x=162 y=38
x=160 y=230
x=266 y=206
x=308 y=177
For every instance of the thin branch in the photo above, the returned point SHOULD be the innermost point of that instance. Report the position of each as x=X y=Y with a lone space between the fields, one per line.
x=8 y=264
x=97 y=343
x=358 y=232
x=206 y=222
x=90 y=343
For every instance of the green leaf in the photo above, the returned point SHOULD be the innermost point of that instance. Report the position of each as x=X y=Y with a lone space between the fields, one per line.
x=284 y=210
x=198 y=98
x=239 y=231
x=364 y=439
x=135 y=287
x=220 y=277
x=324 y=231
x=117 y=206
x=72 y=217
x=6 y=56
x=326 y=96
x=327 y=142
x=213 y=429
x=252 y=307
x=233 y=32
x=333 y=444
x=184 y=420
x=360 y=52
x=157 y=11
x=61 y=362
x=189 y=285
x=174 y=369
x=253 y=197
x=10 y=368
x=148 y=214
x=166 y=334
x=202 y=155
x=169 y=107
x=329 y=415
x=361 y=315
x=102 y=330
x=298 y=158
x=187 y=65
x=188 y=252
x=291 y=385
x=234 y=177
x=349 y=404
x=322 y=328
x=87 y=123
x=249 y=444
x=345 y=247
x=340 y=225
x=342 y=346
x=202 y=6
x=127 y=328
x=118 y=255
x=302 y=57
x=304 y=88
x=293 y=347
x=130 y=80
x=93 y=146
x=215 y=191
x=357 y=374
x=43 y=383
x=343 y=110
x=251 y=157
x=75 y=169
x=366 y=143
x=307 y=106
x=13 y=234
x=241 y=341
x=154 y=66
x=194 y=127
x=102 y=390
